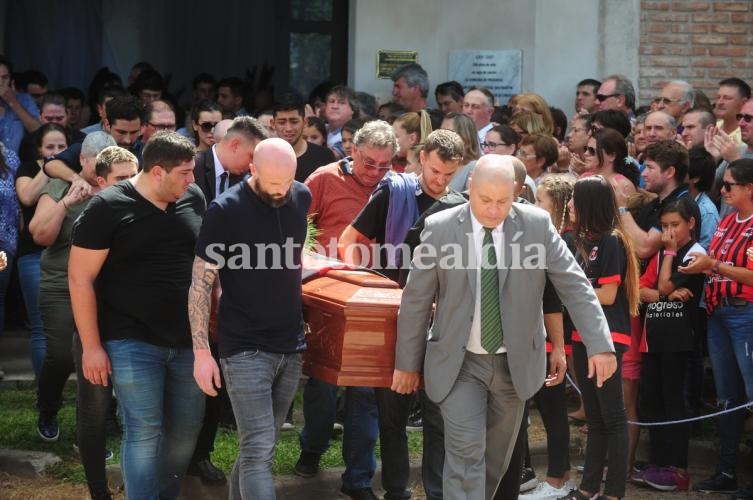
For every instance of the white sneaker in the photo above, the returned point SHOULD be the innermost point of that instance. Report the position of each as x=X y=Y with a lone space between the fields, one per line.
x=545 y=491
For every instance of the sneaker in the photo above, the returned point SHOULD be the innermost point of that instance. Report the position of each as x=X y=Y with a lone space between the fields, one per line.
x=575 y=494
x=358 y=494
x=415 y=423
x=743 y=493
x=545 y=491
x=639 y=473
x=307 y=464
x=109 y=455
x=528 y=480
x=287 y=426
x=718 y=483
x=47 y=428
x=666 y=479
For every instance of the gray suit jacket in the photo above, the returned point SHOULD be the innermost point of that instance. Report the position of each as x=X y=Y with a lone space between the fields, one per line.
x=440 y=354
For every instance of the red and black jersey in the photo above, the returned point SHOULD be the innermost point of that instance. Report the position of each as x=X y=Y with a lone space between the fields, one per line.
x=607 y=263
x=731 y=239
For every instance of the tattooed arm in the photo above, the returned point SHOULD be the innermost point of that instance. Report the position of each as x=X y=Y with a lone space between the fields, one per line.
x=205 y=369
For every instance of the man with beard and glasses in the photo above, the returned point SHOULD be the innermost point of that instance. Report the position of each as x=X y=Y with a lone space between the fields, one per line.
x=251 y=240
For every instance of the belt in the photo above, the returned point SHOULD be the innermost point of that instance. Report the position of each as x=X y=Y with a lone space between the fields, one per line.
x=733 y=301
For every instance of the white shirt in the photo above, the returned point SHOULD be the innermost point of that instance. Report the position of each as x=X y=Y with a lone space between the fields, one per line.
x=218 y=171
x=482 y=134
x=474 y=339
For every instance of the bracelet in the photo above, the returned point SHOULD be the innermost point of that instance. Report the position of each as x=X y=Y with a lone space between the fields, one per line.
x=715 y=267
x=671 y=253
x=623 y=210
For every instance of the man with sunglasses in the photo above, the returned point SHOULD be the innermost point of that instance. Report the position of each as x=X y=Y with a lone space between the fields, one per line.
x=616 y=92
x=338 y=193
x=394 y=207
x=288 y=115
x=676 y=98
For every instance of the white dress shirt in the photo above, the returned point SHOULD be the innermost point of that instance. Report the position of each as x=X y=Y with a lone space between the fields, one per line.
x=218 y=171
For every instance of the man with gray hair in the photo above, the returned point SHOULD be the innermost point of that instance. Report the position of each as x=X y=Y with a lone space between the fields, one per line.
x=659 y=126
x=410 y=87
x=616 y=92
x=338 y=193
x=676 y=98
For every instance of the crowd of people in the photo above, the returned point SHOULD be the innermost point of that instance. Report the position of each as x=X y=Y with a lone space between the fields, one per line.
x=119 y=209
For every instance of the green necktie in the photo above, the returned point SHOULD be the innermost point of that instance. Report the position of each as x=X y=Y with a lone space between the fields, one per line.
x=491 y=317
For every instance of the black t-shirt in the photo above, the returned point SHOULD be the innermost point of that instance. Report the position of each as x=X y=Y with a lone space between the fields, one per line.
x=26 y=243
x=372 y=223
x=607 y=263
x=142 y=288
x=314 y=157
x=261 y=306
x=648 y=216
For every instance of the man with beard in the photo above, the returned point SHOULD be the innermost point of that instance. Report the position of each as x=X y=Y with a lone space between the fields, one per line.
x=251 y=240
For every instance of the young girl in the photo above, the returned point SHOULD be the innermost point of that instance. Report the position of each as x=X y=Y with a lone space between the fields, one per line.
x=608 y=260
x=553 y=195
x=669 y=341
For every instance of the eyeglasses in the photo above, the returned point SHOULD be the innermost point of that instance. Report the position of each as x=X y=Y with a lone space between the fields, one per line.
x=727 y=186
x=747 y=118
x=604 y=97
x=520 y=154
x=590 y=150
x=665 y=100
x=162 y=126
x=373 y=165
x=207 y=126
x=492 y=145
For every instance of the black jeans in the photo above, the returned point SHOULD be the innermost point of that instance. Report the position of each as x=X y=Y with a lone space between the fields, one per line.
x=57 y=317
x=93 y=403
x=393 y=417
x=607 y=426
x=662 y=399
x=552 y=405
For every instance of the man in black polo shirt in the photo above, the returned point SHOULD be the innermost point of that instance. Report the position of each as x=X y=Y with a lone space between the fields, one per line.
x=129 y=273
x=251 y=240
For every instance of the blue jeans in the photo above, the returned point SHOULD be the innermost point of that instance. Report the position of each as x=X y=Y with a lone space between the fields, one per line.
x=162 y=409
x=4 y=281
x=261 y=386
x=730 y=333
x=361 y=428
x=28 y=277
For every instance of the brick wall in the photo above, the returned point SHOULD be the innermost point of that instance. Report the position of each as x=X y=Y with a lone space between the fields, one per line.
x=701 y=42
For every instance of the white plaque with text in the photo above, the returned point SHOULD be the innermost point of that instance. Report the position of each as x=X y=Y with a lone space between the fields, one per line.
x=498 y=70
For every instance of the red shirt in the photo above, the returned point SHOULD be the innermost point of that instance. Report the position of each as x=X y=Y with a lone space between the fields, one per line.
x=731 y=239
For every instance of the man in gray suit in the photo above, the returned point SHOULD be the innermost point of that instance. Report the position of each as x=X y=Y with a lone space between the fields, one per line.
x=485 y=264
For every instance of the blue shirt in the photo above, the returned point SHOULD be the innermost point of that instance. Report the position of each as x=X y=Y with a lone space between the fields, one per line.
x=9 y=204
x=11 y=127
x=709 y=219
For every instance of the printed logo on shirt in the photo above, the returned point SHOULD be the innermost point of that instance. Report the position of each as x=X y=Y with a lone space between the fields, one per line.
x=594 y=253
x=748 y=233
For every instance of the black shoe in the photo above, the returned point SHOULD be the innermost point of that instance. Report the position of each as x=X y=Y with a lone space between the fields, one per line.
x=743 y=493
x=358 y=494
x=47 y=428
x=207 y=472
x=415 y=421
x=307 y=464
x=109 y=455
x=718 y=483
x=528 y=479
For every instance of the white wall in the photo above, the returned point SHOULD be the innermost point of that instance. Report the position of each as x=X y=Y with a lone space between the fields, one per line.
x=562 y=40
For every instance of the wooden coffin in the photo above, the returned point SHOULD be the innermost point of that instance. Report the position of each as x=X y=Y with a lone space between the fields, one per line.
x=351 y=319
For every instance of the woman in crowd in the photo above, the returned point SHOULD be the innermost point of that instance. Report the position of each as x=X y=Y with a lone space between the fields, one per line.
x=608 y=260
x=528 y=122
x=466 y=129
x=314 y=131
x=204 y=116
x=539 y=154
x=410 y=129
x=50 y=139
x=534 y=103
x=729 y=302
x=501 y=140
x=553 y=195
x=577 y=140
x=348 y=131
x=671 y=299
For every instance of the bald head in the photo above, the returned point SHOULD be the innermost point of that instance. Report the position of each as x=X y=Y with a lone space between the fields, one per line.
x=273 y=170
x=492 y=189
x=221 y=129
x=659 y=126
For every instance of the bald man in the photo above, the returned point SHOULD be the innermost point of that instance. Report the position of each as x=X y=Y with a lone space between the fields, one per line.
x=485 y=263
x=251 y=240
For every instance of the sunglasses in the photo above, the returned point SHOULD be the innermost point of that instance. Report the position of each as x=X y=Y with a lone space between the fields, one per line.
x=162 y=126
x=727 y=186
x=604 y=97
x=747 y=118
x=590 y=150
x=207 y=126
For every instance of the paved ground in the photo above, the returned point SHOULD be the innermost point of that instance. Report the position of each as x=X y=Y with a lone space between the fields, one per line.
x=14 y=361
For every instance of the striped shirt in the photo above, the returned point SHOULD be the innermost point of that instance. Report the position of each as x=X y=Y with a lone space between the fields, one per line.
x=731 y=239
